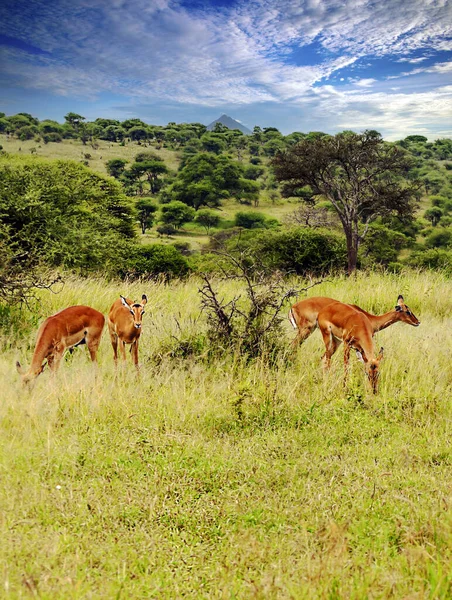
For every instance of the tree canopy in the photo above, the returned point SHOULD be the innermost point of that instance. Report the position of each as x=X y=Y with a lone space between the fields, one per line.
x=360 y=174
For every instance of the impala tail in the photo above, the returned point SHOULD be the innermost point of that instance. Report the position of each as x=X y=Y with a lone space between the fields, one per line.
x=292 y=319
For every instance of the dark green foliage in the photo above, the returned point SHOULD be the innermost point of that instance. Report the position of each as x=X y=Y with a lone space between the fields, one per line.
x=52 y=137
x=27 y=133
x=253 y=172
x=116 y=167
x=440 y=238
x=155 y=260
x=207 y=219
x=64 y=214
x=138 y=133
x=296 y=250
x=359 y=174
x=212 y=142
x=250 y=220
x=433 y=215
x=146 y=210
x=176 y=214
x=166 y=230
x=301 y=251
x=382 y=245
x=432 y=259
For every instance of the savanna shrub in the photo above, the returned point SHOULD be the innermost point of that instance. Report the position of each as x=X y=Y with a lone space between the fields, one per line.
x=434 y=258
x=155 y=260
x=64 y=214
x=439 y=239
x=296 y=250
x=250 y=220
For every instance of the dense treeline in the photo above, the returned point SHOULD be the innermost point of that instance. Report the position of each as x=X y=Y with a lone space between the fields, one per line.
x=63 y=214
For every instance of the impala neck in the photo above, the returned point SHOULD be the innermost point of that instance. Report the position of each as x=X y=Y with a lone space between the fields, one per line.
x=380 y=322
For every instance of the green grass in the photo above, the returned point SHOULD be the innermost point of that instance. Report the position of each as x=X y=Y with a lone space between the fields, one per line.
x=75 y=150
x=230 y=480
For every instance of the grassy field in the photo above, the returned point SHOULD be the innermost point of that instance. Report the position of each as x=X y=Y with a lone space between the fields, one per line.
x=230 y=480
x=75 y=150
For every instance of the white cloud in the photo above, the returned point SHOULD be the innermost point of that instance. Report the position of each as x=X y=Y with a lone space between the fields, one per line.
x=159 y=50
x=364 y=82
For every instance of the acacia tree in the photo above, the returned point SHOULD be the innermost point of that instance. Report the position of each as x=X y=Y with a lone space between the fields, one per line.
x=360 y=174
x=146 y=210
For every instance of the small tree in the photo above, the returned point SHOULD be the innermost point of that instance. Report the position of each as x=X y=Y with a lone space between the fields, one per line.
x=207 y=219
x=250 y=220
x=359 y=174
x=433 y=215
x=146 y=211
x=176 y=214
x=152 y=170
x=116 y=167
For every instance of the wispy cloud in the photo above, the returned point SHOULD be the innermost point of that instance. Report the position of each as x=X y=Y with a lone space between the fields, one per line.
x=241 y=55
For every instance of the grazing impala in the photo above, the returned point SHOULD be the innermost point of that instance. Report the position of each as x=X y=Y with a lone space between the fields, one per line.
x=343 y=323
x=124 y=325
x=303 y=316
x=66 y=329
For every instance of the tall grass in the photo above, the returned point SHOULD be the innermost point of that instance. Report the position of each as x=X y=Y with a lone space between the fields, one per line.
x=231 y=479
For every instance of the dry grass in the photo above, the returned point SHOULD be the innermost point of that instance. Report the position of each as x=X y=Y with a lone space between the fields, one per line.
x=231 y=480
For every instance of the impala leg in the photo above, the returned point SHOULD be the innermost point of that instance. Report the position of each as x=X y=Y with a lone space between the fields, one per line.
x=122 y=349
x=114 y=343
x=331 y=345
x=347 y=349
x=134 y=352
x=54 y=360
x=304 y=331
x=93 y=342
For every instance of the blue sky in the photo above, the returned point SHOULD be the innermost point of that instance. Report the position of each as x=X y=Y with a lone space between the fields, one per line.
x=298 y=65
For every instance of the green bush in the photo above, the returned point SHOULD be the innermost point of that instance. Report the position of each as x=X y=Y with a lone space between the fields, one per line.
x=250 y=220
x=63 y=214
x=153 y=260
x=301 y=251
x=432 y=259
x=440 y=238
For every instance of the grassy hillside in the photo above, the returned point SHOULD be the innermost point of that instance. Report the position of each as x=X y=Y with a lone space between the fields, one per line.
x=75 y=150
x=228 y=480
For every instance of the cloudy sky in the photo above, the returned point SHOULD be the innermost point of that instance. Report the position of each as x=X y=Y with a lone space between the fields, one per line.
x=299 y=65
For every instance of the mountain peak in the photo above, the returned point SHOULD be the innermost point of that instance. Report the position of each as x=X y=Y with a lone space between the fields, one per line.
x=230 y=123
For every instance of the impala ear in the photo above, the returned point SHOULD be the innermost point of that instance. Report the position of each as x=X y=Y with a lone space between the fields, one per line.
x=124 y=302
x=144 y=299
x=359 y=356
x=400 y=300
x=380 y=354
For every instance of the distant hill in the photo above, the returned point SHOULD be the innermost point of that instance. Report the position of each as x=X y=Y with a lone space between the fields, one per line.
x=230 y=124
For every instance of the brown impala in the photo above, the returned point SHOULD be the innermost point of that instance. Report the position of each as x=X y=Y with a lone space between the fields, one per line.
x=342 y=323
x=124 y=325
x=66 y=329
x=303 y=316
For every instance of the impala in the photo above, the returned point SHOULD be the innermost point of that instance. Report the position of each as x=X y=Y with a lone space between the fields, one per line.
x=124 y=325
x=343 y=323
x=303 y=316
x=66 y=329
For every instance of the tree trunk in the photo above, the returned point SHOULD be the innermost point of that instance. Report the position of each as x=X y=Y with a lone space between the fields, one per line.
x=352 y=250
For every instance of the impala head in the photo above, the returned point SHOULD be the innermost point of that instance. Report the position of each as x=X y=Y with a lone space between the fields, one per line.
x=405 y=313
x=28 y=376
x=136 y=310
x=372 y=368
